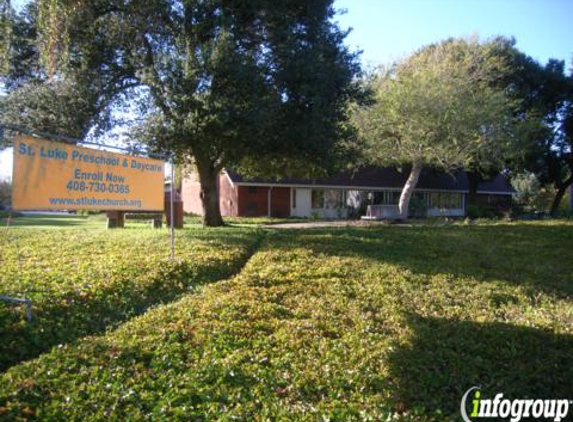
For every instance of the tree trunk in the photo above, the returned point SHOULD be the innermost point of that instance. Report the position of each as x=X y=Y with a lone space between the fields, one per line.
x=408 y=189
x=561 y=190
x=209 y=194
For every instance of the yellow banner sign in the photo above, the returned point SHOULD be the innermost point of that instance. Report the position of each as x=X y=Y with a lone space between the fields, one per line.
x=56 y=176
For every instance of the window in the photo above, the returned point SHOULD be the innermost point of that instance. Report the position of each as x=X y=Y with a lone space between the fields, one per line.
x=328 y=198
x=317 y=198
x=333 y=198
x=386 y=197
x=444 y=200
x=434 y=201
x=422 y=197
x=454 y=201
x=293 y=198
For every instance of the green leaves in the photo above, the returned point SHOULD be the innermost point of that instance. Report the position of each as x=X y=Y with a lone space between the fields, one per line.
x=229 y=83
x=338 y=324
x=439 y=107
x=53 y=27
x=82 y=282
x=6 y=22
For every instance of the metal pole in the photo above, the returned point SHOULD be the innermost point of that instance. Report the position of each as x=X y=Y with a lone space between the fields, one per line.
x=171 y=210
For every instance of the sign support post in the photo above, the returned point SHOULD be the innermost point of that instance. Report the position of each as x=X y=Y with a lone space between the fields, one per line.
x=171 y=213
x=83 y=180
x=86 y=178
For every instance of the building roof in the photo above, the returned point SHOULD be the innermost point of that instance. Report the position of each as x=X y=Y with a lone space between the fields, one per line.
x=370 y=177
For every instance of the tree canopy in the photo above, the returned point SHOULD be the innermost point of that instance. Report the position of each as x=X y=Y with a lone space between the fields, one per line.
x=5 y=34
x=545 y=95
x=73 y=102
x=260 y=85
x=438 y=108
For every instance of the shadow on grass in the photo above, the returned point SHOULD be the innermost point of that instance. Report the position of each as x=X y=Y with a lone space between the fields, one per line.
x=530 y=256
x=445 y=358
x=61 y=317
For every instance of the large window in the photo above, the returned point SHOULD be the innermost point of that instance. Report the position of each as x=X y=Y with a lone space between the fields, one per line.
x=386 y=197
x=317 y=198
x=443 y=200
x=333 y=199
x=440 y=200
x=328 y=198
x=423 y=197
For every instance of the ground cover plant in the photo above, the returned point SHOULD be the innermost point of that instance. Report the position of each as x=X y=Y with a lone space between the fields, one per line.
x=332 y=324
x=82 y=281
x=98 y=221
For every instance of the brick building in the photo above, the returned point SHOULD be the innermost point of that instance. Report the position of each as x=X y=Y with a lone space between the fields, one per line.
x=442 y=194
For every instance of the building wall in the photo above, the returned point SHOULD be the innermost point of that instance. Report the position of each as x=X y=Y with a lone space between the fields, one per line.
x=452 y=212
x=304 y=206
x=280 y=202
x=228 y=196
x=253 y=201
x=190 y=190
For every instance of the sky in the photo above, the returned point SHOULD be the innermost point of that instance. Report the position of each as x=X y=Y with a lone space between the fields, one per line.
x=387 y=30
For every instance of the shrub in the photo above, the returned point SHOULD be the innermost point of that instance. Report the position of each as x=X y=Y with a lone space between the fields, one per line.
x=481 y=211
x=5 y=194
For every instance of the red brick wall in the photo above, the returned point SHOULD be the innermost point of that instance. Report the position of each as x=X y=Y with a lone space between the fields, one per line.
x=237 y=200
x=253 y=201
x=280 y=202
x=190 y=190
x=228 y=197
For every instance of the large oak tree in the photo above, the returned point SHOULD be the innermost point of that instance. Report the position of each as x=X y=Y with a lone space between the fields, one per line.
x=259 y=84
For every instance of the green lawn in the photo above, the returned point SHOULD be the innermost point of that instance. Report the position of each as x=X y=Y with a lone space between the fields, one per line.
x=332 y=324
x=247 y=221
x=55 y=222
x=98 y=221
x=82 y=281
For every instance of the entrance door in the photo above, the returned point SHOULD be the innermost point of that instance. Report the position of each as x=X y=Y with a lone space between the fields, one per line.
x=300 y=202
